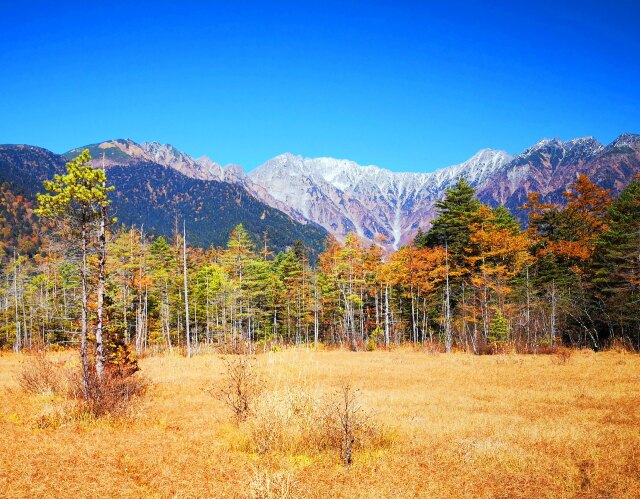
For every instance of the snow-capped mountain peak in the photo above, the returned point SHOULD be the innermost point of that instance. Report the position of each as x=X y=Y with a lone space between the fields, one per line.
x=344 y=196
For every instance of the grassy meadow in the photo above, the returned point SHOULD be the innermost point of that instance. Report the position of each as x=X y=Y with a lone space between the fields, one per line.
x=435 y=425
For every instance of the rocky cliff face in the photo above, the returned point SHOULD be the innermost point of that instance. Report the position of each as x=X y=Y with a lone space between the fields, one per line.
x=550 y=165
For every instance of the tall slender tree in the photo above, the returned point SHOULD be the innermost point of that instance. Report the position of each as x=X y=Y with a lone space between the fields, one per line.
x=78 y=197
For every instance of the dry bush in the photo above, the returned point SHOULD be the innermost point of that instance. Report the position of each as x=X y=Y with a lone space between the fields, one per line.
x=42 y=375
x=433 y=348
x=113 y=399
x=112 y=395
x=488 y=348
x=344 y=426
x=272 y=485
x=240 y=386
x=291 y=422
x=545 y=349
x=561 y=356
x=240 y=347
x=622 y=345
x=485 y=348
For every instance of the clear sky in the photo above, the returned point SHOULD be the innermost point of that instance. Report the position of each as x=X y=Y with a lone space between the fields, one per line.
x=409 y=86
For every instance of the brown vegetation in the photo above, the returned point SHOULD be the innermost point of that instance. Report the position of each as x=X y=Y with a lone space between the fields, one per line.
x=112 y=395
x=451 y=425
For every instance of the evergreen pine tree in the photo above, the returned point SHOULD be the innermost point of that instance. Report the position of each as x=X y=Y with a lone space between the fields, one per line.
x=499 y=329
x=617 y=264
x=504 y=219
x=451 y=227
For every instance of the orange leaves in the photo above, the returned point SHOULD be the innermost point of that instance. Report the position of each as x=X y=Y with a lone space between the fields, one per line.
x=573 y=250
x=506 y=251
x=536 y=209
x=328 y=259
x=586 y=219
x=570 y=233
x=496 y=254
x=588 y=199
x=588 y=204
x=411 y=267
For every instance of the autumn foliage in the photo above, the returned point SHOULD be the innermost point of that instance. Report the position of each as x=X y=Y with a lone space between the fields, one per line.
x=567 y=277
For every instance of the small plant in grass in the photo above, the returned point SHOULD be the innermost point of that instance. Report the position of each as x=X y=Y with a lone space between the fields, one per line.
x=498 y=331
x=346 y=426
x=372 y=340
x=240 y=386
x=561 y=356
x=39 y=374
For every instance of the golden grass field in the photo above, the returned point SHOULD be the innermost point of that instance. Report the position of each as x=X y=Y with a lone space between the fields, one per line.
x=454 y=425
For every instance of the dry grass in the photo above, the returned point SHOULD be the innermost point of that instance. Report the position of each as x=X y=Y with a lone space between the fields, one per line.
x=456 y=426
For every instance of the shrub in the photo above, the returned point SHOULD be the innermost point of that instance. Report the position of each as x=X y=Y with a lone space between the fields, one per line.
x=236 y=347
x=282 y=422
x=272 y=485
x=345 y=426
x=290 y=422
x=121 y=357
x=372 y=340
x=498 y=329
x=111 y=395
x=41 y=375
x=240 y=386
x=561 y=355
x=622 y=345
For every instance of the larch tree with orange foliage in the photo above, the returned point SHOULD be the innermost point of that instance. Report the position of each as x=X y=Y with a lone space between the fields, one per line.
x=497 y=253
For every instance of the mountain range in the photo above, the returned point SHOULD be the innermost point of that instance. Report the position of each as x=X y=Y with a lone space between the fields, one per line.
x=343 y=196
x=290 y=197
x=158 y=198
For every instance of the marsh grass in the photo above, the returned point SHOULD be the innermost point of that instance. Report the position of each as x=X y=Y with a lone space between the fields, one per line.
x=453 y=425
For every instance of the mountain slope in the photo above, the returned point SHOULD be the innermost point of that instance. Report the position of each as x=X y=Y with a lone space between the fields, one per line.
x=26 y=167
x=343 y=196
x=153 y=194
x=550 y=165
x=150 y=194
x=338 y=195
x=127 y=152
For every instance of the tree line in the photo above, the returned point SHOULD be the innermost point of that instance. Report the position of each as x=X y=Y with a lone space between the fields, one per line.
x=474 y=281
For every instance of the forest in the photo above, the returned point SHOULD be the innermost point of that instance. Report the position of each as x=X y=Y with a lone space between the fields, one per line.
x=475 y=281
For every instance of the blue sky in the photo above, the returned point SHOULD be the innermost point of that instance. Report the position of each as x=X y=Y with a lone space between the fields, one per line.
x=409 y=86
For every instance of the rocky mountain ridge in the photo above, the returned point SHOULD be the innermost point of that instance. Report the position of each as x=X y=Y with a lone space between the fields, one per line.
x=158 y=196
x=378 y=204
x=343 y=196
